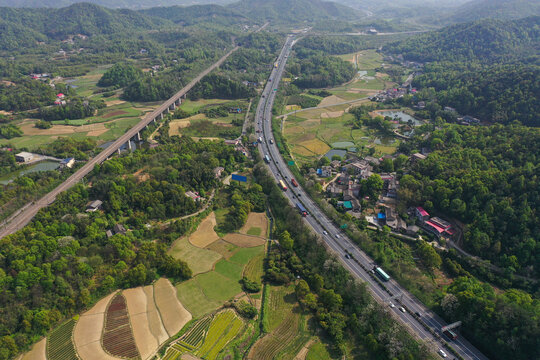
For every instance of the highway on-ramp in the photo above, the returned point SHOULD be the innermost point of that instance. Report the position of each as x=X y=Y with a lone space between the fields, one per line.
x=428 y=325
x=26 y=215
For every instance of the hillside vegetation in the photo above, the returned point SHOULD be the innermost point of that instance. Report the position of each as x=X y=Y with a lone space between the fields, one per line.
x=295 y=10
x=489 y=69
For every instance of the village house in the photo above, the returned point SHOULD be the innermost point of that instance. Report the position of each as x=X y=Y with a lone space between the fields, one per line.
x=334 y=190
x=417 y=156
x=24 y=157
x=93 y=206
x=67 y=163
x=217 y=171
x=361 y=168
x=193 y=195
x=117 y=229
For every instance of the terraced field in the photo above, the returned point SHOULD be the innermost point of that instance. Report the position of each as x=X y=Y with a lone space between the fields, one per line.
x=60 y=344
x=208 y=337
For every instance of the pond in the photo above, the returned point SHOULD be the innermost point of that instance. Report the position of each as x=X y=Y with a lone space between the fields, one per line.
x=41 y=166
x=331 y=153
x=400 y=115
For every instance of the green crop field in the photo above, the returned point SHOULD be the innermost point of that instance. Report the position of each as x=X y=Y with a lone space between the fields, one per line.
x=60 y=344
x=243 y=255
x=254 y=269
x=229 y=269
x=196 y=335
x=225 y=327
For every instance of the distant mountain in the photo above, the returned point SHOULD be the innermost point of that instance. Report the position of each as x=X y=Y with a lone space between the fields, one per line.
x=23 y=27
x=115 y=4
x=197 y=13
x=295 y=11
x=483 y=41
x=495 y=9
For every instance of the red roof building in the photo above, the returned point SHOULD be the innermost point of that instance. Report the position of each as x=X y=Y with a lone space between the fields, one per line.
x=421 y=214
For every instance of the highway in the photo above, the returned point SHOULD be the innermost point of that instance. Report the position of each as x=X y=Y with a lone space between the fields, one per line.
x=358 y=263
x=27 y=214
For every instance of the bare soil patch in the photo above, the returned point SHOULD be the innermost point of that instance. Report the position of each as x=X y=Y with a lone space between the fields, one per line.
x=114 y=102
x=137 y=306
x=245 y=241
x=28 y=128
x=205 y=234
x=154 y=318
x=332 y=114
x=173 y=313
x=141 y=176
x=256 y=220
x=87 y=332
x=331 y=100
x=38 y=351
x=114 y=113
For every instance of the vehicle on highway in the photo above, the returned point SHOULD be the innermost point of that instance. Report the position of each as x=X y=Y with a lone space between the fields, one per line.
x=337 y=236
x=302 y=209
x=325 y=232
x=260 y=139
x=384 y=276
x=282 y=185
x=417 y=314
x=293 y=181
x=450 y=334
x=442 y=353
x=271 y=141
x=392 y=305
x=267 y=159
x=402 y=309
x=347 y=256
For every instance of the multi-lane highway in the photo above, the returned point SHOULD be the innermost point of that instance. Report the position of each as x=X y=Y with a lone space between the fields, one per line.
x=357 y=262
x=28 y=213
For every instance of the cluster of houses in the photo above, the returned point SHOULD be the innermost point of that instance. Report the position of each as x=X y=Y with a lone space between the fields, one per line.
x=389 y=94
x=435 y=225
x=60 y=100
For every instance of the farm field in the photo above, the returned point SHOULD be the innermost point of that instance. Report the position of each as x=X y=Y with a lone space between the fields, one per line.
x=200 y=125
x=208 y=337
x=208 y=291
x=118 y=338
x=310 y=138
x=60 y=344
x=257 y=224
x=37 y=352
x=205 y=234
x=286 y=325
x=199 y=260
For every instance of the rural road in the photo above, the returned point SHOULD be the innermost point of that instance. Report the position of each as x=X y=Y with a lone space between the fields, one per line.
x=428 y=325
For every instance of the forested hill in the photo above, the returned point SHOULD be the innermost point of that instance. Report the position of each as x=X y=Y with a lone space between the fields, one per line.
x=495 y=9
x=483 y=41
x=86 y=19
x=198 y=13
x=295 y=11
x=119 y=4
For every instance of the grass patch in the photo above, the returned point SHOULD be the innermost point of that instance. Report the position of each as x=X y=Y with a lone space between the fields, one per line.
x=255 y=231
x=229 y=269
x=254 y=269
x=193 y=298
x=243 y=255
x=199 y=260
x=217 y=287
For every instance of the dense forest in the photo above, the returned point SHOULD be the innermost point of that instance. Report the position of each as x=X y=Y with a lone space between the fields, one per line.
x=314 y=69
x=485 y=41
x=488 y=69
x=215 y=86
x=63 y=261
x=487 y=177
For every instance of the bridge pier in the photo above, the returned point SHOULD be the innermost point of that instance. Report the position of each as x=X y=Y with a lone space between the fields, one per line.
x=161 y=116
x=118 y=151
x=173 y=106
x=129 y=145
x=138 y=136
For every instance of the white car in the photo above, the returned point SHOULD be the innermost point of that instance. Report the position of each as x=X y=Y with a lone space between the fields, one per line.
x=325 y=232
x=392 y=305
x=337 y=236
x=442 y=353
x=402 y=309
